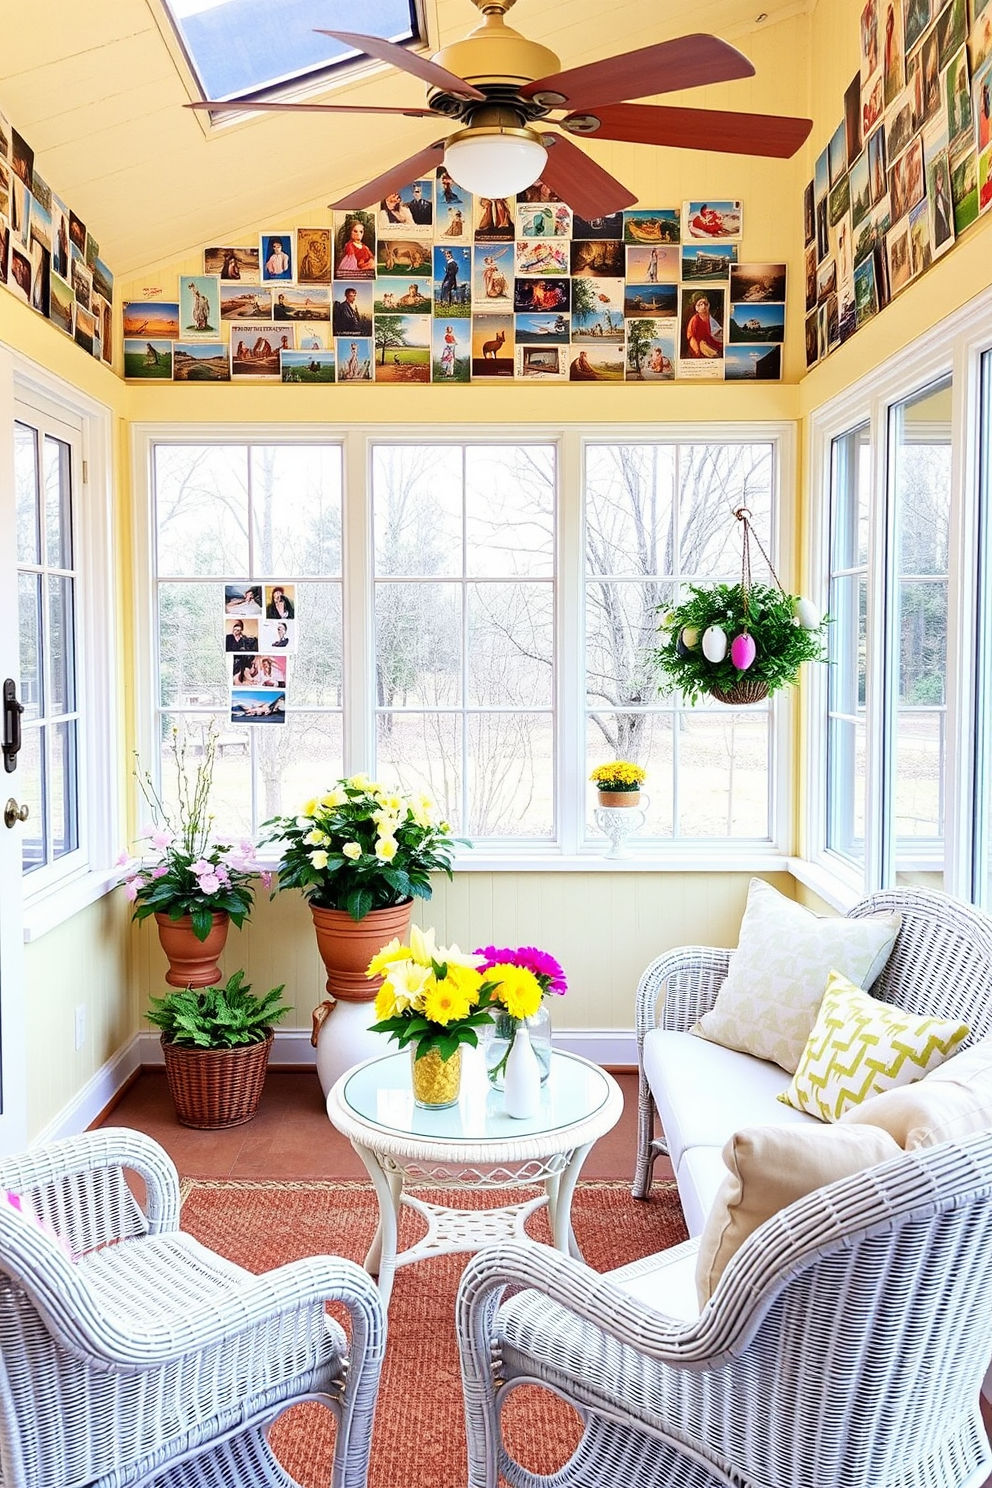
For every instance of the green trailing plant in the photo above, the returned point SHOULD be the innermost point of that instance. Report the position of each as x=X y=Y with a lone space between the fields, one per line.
x=778 y=623
x=217 y=1017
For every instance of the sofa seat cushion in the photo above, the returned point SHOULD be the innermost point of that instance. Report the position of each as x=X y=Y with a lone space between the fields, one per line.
x=704 y=1092
x=700 y=1176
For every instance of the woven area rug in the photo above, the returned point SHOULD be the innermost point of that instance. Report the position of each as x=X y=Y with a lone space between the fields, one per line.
x=419 y=1439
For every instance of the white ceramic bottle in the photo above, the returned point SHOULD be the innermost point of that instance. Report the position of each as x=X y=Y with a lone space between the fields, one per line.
x=522 y=1082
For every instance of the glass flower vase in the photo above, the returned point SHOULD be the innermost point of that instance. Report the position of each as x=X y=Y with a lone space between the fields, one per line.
x=436 y=1081
x=499 y=1037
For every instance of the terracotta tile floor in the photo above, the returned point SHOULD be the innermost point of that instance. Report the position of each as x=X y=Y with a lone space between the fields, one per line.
x=291 y=1137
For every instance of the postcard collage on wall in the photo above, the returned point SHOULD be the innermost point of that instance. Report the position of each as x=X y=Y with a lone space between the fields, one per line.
x=435 y=286
x=907 y=170
x=48 y=259
x=259 y=635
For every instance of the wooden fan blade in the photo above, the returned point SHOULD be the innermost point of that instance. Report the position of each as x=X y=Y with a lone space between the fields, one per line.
x=406 y=61
x=582 y=184
x=310 y=108
x=393 y=180
x=695 y=129
x=666 y=67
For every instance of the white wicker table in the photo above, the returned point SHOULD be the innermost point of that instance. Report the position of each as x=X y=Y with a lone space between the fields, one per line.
x=473 y=1145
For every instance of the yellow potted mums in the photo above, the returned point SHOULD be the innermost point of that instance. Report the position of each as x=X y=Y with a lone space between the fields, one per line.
x=433 y=1000
x=619 y=783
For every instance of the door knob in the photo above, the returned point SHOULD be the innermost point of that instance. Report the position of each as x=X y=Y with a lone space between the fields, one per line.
x=13 y=813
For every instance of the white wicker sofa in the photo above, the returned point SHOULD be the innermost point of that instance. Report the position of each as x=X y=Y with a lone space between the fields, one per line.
x=702 y=1093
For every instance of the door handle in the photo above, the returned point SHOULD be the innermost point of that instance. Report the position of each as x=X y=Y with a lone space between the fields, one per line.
x=13 y=813
x=12 y=711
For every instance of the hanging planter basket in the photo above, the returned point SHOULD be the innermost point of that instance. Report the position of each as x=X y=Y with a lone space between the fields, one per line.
x=738 y=643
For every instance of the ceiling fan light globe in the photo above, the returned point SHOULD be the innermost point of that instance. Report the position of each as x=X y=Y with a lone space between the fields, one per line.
x=495 y=164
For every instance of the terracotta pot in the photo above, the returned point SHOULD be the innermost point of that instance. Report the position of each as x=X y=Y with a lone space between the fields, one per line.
x=212 y=1088
x=619 y=798
x=192 y=962
x=347 y=946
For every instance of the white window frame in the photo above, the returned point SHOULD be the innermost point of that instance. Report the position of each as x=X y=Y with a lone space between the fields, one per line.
x=63 y=888
x=570 y=851
x=954 y=348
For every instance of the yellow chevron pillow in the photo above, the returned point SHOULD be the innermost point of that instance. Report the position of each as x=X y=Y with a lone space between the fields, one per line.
x=860 y=1047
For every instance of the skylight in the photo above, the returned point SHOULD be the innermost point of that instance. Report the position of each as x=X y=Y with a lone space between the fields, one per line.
x=243 y=47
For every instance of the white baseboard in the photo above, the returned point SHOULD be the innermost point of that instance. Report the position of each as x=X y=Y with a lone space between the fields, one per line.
x=95 y=1095
x=609 y=1046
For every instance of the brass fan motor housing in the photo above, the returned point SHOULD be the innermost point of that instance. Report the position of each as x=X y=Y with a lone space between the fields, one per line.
x=495 y=53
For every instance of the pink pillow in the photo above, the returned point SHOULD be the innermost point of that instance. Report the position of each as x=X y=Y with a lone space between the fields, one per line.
x=24 y=1209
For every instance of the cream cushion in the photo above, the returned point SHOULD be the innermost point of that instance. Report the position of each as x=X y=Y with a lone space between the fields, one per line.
x=953 y=1101
x=860 y=1047
x=768 y=1004
x=769 y=1168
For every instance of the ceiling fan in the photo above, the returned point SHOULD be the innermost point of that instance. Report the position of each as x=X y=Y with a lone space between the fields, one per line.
x=502 y=91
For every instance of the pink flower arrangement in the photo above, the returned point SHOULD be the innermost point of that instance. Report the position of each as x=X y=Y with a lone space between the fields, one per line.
x=549 y=973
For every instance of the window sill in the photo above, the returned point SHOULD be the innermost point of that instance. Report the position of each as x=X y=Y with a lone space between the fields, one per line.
x=832 y=887
x=704 y=859
x=50 y=910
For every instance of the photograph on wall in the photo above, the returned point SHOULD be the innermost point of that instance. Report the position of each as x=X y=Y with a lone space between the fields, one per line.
x=401 y=258
x=658 y=300
x=5 y=255
x=150 y=360
x=940 y=203
x=494 y=220
x=809 y=214
x=538 y=191
x=60 y=235
x=540 y=296
x=711 y=221
x=199 y=361
x=19 y=273
x=810 y=279
x=354 y=358
x=964 y=188
x=872 y=108
x=597 y=257
x=960 y=116
x=985 y=180
x=241 y=633
x=103 y=280
x=82 y=282
x=851 y=125
x=303 y=302
x=410 y=297
x=62 y=304
x=552 y=219
x=492 y=346
x=354 y=245
x=41 y=274
x=454 y=222
x=920 y=243
x=199 y=304
x=906 y=180
x=839 y=200
x=812 y=339
x=755 y=282
x=644 y=225
x=650 y=350
x=84 y=330
x=980 y=39
x=306 y=366
x=20 y=211
x=893 y=54
x=451 y=350
x=709 y=261
x=826 y=280
x=449 y=194
x=652 y=265
x=532 y=329
x=5 y=199
x=243 y=598
x=952 y=30
x=753 y=364
x=597 y=310
x=492 y=276
x=452 y=281
x=244 y=303
x=275 y=636
x=982 y=89
x=859 y=181
x=837 y=154
x=754 y=323
x=865 y=292
x=541 y=363
x=538 y=257
x=609 y=227
x=917 y=19
x=410 y=208
x=870 y=40
x=402 y=348
x=313 y=255
x=702 y=325
x=256 y=352
x=22 y=159
x=597 y=363
x=250 y=669
x=256 y=705
x=930 y=72
x=232 y=265
x=158 y=318
x=4 y=137
x=878 y=180
x=280 y=601
x=275 y=252
x=92 y=252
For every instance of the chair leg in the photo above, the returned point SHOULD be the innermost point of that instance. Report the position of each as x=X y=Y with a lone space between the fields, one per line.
x=648 y=1146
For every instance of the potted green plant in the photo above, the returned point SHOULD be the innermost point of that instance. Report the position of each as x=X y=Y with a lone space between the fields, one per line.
x=618 y=783
x=216 y=1044
x=193 y=885
x=361 y=853
x=738 y=643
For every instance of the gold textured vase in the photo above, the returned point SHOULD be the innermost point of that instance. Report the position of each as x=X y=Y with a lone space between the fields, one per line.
x=436 y=1081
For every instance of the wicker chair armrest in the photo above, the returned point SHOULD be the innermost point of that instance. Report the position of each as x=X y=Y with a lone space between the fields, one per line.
x=78 y=1185
x=697 y=971
x=262 y=1310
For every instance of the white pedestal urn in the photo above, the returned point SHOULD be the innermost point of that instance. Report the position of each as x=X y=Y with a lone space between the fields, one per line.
x=341 y=1024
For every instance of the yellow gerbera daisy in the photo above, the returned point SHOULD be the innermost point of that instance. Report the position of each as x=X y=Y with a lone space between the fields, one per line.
x=386 y=1005
x=385 y=957
x=444 y=1002
x=519 y=990
x=465 y=978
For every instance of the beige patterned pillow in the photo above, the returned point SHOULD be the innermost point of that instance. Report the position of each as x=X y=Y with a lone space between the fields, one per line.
x=778 y=974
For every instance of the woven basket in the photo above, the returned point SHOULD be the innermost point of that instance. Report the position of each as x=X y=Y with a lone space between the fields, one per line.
x=216 y=1087
x=747 y=690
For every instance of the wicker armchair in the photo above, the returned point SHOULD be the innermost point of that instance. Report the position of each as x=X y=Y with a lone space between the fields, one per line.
x=843 y=1347
x=150 y=1360
x=941 y=964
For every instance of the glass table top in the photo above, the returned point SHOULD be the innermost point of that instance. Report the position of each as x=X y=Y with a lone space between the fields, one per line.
x=380 y=1092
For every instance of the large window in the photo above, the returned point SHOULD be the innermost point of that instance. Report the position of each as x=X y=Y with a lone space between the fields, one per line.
x=659 y=517
x=847 y=737
x=475 y=618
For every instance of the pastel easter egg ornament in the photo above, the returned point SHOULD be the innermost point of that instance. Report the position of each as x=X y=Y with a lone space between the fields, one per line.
x=715 y=643
x=688 y=641
x=742 y=651
x=806 y=613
